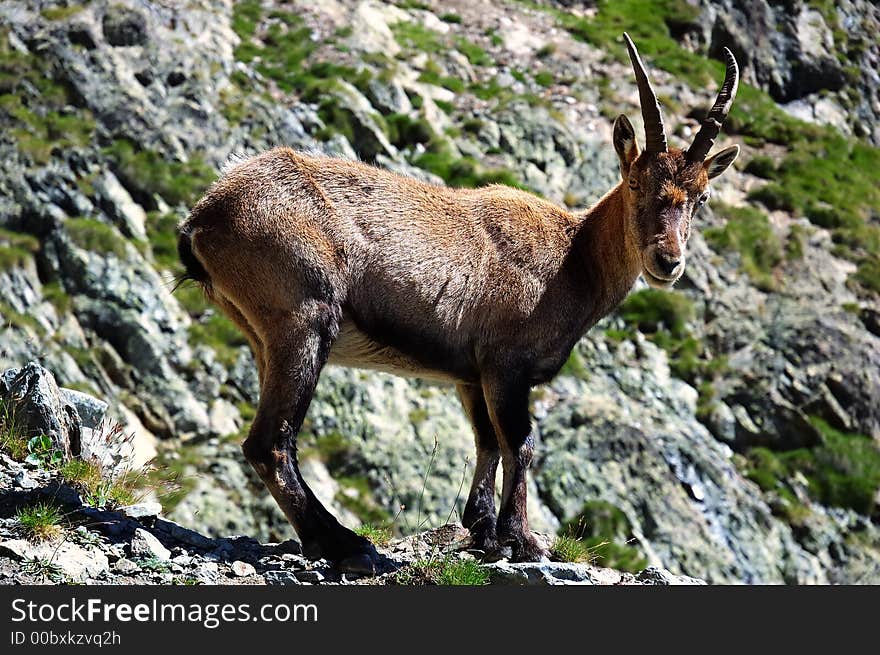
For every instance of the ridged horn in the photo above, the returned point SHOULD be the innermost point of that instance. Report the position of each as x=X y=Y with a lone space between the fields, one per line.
x=655 y=135
x=705 y=138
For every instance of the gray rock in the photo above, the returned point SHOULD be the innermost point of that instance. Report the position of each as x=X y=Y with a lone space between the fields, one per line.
x=143 y=544
x=119 y=205
x=91 y=410
x=280 y=578
x=243 y=569
x=142 y=510
x=77 y=563
x=658 y=576
x=40 y=408
x=126 y=566
x=311 y=576
x=124 y=26
x=25 y=481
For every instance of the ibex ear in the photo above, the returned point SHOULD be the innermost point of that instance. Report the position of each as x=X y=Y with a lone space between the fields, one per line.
x=719 y=162
x=625 y=144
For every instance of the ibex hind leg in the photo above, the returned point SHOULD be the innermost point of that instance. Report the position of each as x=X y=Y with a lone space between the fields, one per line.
x=479 y=512
x=297 y=344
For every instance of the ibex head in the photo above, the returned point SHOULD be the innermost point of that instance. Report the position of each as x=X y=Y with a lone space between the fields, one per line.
x=666 y=186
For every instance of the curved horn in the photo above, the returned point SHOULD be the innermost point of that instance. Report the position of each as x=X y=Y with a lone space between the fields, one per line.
x=655 y=136
x=705 y=138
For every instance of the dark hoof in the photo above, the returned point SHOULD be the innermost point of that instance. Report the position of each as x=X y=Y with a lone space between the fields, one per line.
x=361 y=564
x=527 y=549
x=348 y=553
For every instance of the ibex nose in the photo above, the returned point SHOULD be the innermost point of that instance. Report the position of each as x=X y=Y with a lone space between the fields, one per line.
x=667 y=264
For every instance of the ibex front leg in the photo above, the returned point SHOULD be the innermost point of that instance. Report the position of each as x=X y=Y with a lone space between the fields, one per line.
x=508 y=403
x=297 y=346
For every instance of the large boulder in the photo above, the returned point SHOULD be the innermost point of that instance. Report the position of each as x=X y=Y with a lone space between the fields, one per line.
x=38 y=407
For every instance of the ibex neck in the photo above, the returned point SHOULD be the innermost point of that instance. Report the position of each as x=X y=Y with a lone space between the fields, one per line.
x=605 y=248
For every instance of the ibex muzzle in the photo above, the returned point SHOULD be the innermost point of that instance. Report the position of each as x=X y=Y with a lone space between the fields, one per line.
x=323 y=260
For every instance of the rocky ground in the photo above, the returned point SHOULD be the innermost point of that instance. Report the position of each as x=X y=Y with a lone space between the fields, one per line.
x=727 y=430
x=88 y=543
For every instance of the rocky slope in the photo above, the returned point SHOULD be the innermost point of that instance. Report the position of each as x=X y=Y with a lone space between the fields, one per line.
x=726 y=431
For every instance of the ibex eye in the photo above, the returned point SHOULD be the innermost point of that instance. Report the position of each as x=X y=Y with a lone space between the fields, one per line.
x=633 y=185
x=702 y=199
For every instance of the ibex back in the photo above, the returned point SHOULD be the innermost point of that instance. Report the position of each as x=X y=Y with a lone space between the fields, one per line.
x=323 y=260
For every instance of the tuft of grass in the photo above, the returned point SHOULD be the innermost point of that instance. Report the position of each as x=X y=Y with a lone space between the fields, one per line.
x=380 y=535
x=450 y=17
x=749 y=233
x=794 y=244
x=12 y=440
x=600 y=534
x=94 y=485
x=162 y=233
x=444 y=571
x=567 y=548
x=41 y=521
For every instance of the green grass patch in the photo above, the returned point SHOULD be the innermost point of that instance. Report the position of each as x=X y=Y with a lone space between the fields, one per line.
x=96 y=236
x=148 y=172
x=843 y=471
x=40 y=521
x=380 y=535
x=662 y=316
x=444 y=571
x=748 y=232
x=16 y=249
x=61 y=13
x=28 y=82
x=462 y=171
x=761 y=166
x=474 y=53
x=544 y=78
x=417 y=37
x=432 y=75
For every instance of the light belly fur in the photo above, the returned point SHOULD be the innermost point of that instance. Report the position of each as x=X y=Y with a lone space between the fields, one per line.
x=354 y=349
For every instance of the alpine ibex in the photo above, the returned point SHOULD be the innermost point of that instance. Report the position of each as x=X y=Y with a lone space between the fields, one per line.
x=323 y=260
